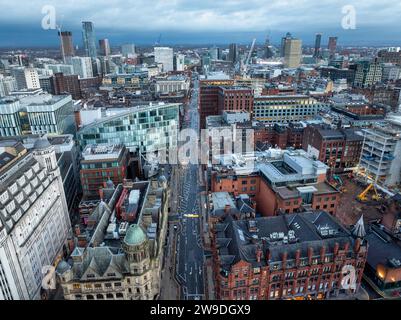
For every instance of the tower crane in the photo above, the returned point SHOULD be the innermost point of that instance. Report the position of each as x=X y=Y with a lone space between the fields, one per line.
x=245 y=67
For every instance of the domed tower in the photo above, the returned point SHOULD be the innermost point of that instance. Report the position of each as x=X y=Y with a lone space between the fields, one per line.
x=162 y=181
x=45 y=154
x=136 y=248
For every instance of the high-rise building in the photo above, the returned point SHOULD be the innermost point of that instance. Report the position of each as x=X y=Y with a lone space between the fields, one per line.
x=233 y=53
x=368 y=73
x=89 y=39
x=27 y=78
x=82 y=66
x=128 y=50
x=268 y=50
x=34 y=224
x=283 y=42
x=214 y=53
x=332 y=46
x=104 y=46
x=67 y=47
x=318 y=42
x=179 y=60
x=209 y=97
x=381 y=153
x=165 y=56
x=293 y=52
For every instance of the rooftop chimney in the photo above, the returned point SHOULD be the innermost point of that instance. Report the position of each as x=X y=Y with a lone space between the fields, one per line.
x=258 y=254
x=310 y=255
x=357 y=245
x=297 y=256
x=336 y=248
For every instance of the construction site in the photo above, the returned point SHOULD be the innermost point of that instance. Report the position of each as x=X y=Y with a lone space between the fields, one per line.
x=357 y=198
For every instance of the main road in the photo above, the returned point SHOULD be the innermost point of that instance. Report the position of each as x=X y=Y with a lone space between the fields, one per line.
x=190 y=255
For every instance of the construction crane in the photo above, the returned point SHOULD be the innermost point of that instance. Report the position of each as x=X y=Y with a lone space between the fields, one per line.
x=158 y=40
x=363 y=195
x=245 y=67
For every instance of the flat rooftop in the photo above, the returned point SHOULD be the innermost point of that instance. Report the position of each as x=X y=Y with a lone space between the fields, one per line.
x=102 y=151
x=221 y=200
x=292 y=168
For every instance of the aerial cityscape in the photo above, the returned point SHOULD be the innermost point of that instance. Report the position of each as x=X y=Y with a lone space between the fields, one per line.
x=189 y=160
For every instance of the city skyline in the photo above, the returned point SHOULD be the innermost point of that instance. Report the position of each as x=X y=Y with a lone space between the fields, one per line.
x=191 y=23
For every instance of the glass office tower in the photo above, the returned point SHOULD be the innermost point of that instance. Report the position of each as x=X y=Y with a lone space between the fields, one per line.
x=89 y=39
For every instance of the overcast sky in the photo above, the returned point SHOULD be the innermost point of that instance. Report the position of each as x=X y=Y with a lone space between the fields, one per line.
x=203 y=21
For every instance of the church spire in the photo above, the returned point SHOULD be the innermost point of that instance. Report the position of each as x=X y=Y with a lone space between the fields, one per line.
x=359 y=228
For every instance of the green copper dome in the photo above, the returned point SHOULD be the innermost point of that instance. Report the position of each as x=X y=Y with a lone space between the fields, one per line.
x=135 y=235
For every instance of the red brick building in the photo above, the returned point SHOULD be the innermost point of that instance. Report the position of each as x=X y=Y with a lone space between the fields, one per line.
x=289 y=257
x=289 y=185
x=339 y=149
x=100 y=164
x=278 y=135
x=235 y=99
x=216 y=96
x=209 y=98
x=67 y=83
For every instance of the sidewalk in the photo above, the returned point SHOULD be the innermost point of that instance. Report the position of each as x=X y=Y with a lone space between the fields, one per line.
x=362 y=294
x=169 y=289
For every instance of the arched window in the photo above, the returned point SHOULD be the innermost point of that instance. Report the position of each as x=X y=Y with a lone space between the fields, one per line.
x=89 y=297
x=99 y=296
x=109 y=296
x=119 y=295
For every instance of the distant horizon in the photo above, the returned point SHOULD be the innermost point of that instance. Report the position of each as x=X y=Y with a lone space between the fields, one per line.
x=49 y=38
x=204 y=22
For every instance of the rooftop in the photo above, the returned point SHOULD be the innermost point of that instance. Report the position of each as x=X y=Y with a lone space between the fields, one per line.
x=102 y=152
x=382 y=248
x=240 y=240
x=296 y=166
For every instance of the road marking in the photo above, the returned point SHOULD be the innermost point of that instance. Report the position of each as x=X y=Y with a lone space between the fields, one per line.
x=191 y=215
